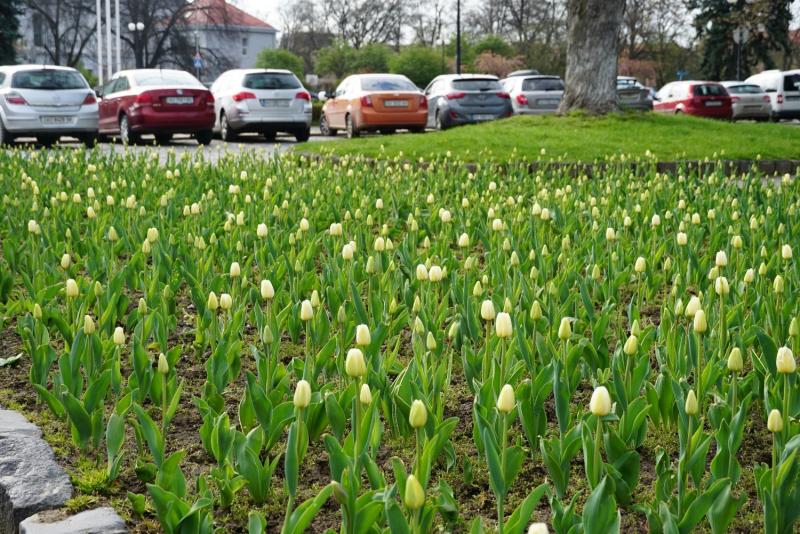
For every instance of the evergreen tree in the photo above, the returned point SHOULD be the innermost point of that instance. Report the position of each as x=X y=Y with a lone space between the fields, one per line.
x=766 y=23
x=9 y=30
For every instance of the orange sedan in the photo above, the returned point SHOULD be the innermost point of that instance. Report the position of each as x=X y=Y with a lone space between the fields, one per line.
x=370 y=102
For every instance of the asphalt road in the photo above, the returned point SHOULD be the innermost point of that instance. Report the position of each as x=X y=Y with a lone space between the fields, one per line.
x=184 y=143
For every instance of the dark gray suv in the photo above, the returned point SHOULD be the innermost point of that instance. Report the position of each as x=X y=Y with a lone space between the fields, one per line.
x=455 y=99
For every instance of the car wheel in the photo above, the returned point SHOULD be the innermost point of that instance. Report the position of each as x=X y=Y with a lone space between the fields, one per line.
x=324 y=127
x=440 y=124
x=163 y=138
x=417 y=130
x=352 y=129
x=225 y=132
x=204 y=137
x=5 y=137
x=303 y=135
x=125 y=134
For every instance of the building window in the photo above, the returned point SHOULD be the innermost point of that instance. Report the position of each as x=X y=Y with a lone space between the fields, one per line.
x=38 y=29
x=244 y=46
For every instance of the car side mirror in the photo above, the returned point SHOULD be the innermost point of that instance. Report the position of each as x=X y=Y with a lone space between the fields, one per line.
x=656 y=98
x=322 y=96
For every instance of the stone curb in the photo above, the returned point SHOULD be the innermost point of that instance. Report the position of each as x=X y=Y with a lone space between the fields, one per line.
x=98 y=521
x=31 y=481
x=726 y=167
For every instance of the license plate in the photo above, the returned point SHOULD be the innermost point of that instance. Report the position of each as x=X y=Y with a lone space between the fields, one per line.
x=182 y=100
x=483 y=117
x=274 y=103
x=57 y=119
x=548 y=102
x=395 y=103
x=713 y=103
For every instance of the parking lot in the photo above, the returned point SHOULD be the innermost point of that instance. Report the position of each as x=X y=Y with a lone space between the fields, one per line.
x=184 y=143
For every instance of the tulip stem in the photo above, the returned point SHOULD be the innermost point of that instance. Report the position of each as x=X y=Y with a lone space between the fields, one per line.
x=164 y=402
x=598 y=458
x=787 y=392
x=684 y=475
x=699 y=371
x=418 y=459
x=774 y=462
x=501 y=498
x=356 y=424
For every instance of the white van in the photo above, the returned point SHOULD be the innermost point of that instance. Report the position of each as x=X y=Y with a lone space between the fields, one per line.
x=783 y=88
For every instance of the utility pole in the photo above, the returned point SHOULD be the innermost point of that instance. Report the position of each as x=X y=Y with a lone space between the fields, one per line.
x=110 y=64
x=99 y=43
x=458 y=36
x=119 y=53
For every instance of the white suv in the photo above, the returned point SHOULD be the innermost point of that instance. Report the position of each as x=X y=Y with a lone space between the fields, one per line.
x=265 y=101
x=783 y=88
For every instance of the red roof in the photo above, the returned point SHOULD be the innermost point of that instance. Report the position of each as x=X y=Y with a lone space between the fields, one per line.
x=213 y=12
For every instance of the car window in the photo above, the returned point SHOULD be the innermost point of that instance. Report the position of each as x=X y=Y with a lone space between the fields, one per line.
x=708 y=89
x=387 y=84
x=122 y=84
x=2 y=78
x=482 y=84
x=48 y=79
x=266 y=80
x=748 y=89
x=791 y=82
x=165 y=77
x=543 y=84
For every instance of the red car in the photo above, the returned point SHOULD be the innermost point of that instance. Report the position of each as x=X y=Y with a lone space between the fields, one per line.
x=702 y=99
x=161 y=102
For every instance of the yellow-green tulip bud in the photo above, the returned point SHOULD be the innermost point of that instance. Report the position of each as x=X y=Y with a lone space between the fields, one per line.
x=735 y=362
x=631 y=345
x=354 y=363
x=212 y=303
x=506 y=400
x=775 y=422
x=536 y=311
x=691 y=403
x=363 y=337
x=414 y=497
x=418 y=415
x=88 y=325
x=302 y=394
x=365 y=396
x=72 y=288
x=487 y=310
x=600 y=403
x=163 y=364
x=564 y=329
x=225 y=301
x=119 y=336
x=692 y=307
x=306 y=310
x=784 y=361
x=430 y=341
x=700 y=323
x=503 y=327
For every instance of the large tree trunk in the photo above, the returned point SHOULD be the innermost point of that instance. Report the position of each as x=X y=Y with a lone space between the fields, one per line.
x=592 y=49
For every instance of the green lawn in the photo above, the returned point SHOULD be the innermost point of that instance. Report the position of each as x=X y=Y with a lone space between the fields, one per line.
x=582 y=138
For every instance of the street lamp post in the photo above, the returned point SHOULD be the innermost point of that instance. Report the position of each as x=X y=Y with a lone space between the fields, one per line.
x=458 y=36
x=136 y=28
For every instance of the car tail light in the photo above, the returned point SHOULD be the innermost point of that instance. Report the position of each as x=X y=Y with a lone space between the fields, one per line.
x=244 y=95
x=16 y=99
x=89 y=100
x=453 y=115
x=144 y=99
x=503 y=95
x=735 y=99
x=303 y=95
x=366 y=101
x=209 y=100
x=455 y=95
x=423 y=102
x=522 y=99
x=765 y=98
x=780 y=99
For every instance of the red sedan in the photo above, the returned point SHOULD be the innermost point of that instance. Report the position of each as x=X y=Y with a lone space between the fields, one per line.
x=702 y=99
x=161 y=102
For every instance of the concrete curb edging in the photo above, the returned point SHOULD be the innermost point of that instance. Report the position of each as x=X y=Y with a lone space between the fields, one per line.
x=726 y=167
x=31 y=481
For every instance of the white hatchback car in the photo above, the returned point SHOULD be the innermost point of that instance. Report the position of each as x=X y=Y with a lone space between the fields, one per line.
x=46 y=102
x=265 y=101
